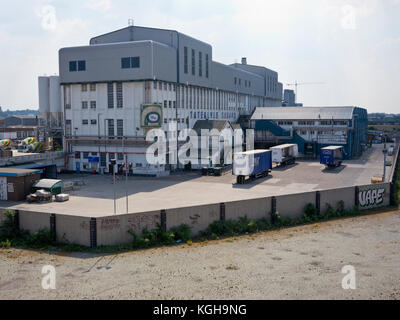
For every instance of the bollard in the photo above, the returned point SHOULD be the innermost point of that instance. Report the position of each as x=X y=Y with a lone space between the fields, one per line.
x=53 y=227
x=222 y=212
x=93 y=233
x=163 y=221
x=318 y=202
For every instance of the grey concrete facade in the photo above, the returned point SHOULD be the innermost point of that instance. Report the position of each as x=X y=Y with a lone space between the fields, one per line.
x=165 y=55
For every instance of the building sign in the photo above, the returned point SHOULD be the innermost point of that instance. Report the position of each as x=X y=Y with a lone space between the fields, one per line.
x=94 y=159
x=151 y=116
x=10 y=187
x=371 y=198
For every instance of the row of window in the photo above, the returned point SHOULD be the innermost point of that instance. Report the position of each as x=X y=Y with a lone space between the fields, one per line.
x=238 y=81
x=319 y=132
x=312 y=123
x=126 y=63
x=86 y=122
x=85 y=104
x=193 y=60
x=110 y=126
x=178 y=120
x=130 y=62
x=110 y=95
x=84 y=87
x=167 y=86
x=79 y=65
x=120 y=156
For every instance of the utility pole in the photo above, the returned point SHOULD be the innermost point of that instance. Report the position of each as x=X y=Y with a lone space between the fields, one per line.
x=385 y=151
x=126 y=175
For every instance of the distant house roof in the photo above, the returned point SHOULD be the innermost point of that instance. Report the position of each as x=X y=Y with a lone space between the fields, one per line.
x=210 y=125
x=303 y=113
x=236 y=126
x=14 y=172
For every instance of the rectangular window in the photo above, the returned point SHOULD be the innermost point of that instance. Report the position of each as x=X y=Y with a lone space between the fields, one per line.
x=165 y=86
x=135 y=62
x=120 y=128
x=103 y=159
x=169 y=104
x=119 y=95
x=94 y=154
x=93 y=121
x=84 y=87
x=86 y=155
x=77 y=155
x=73 y=66
x=207 y=66
x=84 y=105
x=110 y=127
x=235 y=80
x=193 y=62
x=130 y=62
x=68 y=127
x=110 y=95
x=160 y=86
x=120 y=156
x=185 y=54
x=165 y=120
x=165 y=104
x=92 y=87
x=125 y=63
x=155 y=85
x=85 y=122
x=200 y=64
x=174 y=104
x=92 y=104
x=82 y=65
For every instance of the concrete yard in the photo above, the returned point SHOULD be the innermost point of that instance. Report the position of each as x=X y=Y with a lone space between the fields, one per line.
x=95 y=198
x=296 y=263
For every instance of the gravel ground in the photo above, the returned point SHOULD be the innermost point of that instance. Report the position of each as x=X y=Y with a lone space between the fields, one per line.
x=296 y=263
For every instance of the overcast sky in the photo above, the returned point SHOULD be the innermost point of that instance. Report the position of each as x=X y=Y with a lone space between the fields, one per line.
x=352 y=46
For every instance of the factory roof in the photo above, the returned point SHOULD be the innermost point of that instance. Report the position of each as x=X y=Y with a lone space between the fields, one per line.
x=332 y=148
x=283 y=146
x=252 y=152
x=14 y=172
x=210 y=125
x=303 y=113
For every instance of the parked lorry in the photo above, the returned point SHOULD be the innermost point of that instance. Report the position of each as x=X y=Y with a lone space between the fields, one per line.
x=285 y=154
x=332 y=156
x=253 y=164
x=30 y=145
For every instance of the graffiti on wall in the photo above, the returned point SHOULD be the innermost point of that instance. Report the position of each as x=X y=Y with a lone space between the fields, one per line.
x=371 y=197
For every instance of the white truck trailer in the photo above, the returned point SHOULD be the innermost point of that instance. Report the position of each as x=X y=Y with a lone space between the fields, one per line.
x=285 y=154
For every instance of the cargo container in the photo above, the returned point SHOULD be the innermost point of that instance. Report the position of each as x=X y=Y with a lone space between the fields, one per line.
x=332 y=156
x=285 y=154
x=253 y=164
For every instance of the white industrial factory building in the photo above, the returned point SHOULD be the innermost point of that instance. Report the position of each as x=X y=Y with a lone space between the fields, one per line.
x=111 y=92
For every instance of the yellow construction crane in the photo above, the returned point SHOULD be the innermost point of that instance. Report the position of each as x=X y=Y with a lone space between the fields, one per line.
x=296 y=84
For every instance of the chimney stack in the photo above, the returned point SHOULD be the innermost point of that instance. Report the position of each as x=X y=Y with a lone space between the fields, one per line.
x=244 y=60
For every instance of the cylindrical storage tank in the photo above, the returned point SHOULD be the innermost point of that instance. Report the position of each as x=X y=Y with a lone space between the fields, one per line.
x=44 y=94
x=55 y=94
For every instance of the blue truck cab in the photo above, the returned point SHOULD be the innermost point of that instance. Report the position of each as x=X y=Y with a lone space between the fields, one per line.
x=332 y=156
